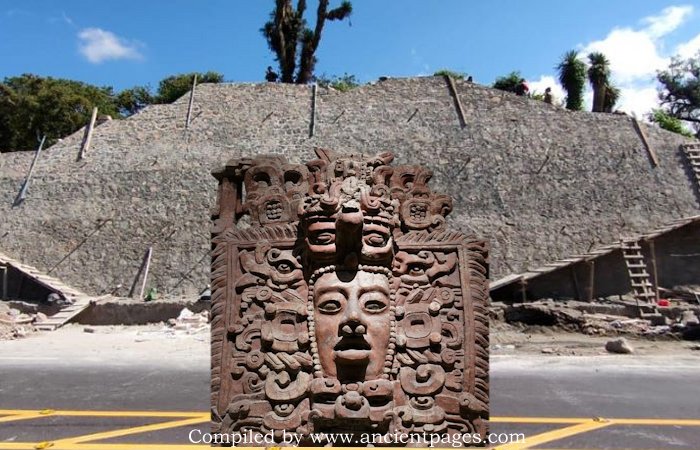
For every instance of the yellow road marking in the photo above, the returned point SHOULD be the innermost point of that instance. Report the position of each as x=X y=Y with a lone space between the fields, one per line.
x=544 y=420
x=29 y=446
x=197 y=414
x=577 y=425
x=43 y=445
x=23 y=416
x=134 y=430
x=59 y=412
x=662 y=422
x=555 y=435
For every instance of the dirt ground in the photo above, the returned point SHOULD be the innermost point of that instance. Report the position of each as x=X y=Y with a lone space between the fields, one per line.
x=144 y=344
x=141 y=345
x=506 y=339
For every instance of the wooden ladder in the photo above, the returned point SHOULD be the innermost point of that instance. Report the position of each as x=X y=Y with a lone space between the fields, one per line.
x=642 y=287
x=692 y=152
x=64 y=315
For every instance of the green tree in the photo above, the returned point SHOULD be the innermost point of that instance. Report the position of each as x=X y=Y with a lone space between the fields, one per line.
x=32 y=106
x=572 y=76
x=343 y=84
x=450 y=73
x=680 y=90
x=175 y=86
x=287 y=35
x=599 y=77
x=508 y=82
x=668 y=122
x=131 y=101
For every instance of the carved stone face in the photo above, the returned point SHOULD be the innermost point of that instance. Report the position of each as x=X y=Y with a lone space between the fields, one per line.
x=352 y=318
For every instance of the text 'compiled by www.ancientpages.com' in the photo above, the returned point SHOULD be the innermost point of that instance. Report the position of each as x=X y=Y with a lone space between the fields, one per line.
x=250 y=438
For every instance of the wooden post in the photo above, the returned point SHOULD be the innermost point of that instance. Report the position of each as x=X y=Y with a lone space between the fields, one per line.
x=652 y=252
x=189 y=107
x=458 y=103
x=312 y=125
x=146 y=261
x=577 y=288
x=4 y=281
x=23 y=191
x=591 y=281
x=88 y=135
x=145 y=272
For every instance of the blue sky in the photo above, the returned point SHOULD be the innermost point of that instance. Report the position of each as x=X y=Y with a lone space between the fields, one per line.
x=127 y=43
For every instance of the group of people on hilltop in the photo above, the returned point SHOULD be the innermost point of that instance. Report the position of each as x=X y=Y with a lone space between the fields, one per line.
x=523 y=90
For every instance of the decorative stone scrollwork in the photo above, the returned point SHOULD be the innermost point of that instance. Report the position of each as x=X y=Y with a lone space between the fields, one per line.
x=346 y=305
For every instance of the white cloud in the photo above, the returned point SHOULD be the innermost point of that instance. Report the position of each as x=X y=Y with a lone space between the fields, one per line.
x=63 y=19
x=636 y=54
x=99 y=45
x=632 y=54
x=17 y=12
x=689 y=49
x=638 y=100
x=67 y=19
x=666 y=22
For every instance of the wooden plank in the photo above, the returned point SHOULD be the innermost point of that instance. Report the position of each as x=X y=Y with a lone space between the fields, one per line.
x=458 y=102
x=189 y=106
x=23 y=191
x=88 y=135
x=312 y=124
x=510 y=279
x=645 y=141
x=142 y=267
x=149 y=253
x=64 y=316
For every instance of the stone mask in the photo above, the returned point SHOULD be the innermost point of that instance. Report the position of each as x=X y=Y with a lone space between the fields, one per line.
x=353 y=320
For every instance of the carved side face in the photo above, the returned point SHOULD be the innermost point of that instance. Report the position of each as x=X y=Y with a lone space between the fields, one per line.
x=352 y=318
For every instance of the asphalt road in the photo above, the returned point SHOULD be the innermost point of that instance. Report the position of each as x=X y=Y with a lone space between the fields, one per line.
x=521 y=386
x=602 y=386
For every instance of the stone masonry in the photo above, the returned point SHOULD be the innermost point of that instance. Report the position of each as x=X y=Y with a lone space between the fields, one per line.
x=538 y=181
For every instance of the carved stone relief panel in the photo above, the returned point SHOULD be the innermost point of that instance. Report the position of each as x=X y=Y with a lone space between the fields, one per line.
x=345 y=304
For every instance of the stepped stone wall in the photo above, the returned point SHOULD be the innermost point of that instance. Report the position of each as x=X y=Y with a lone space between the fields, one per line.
x=539 y=181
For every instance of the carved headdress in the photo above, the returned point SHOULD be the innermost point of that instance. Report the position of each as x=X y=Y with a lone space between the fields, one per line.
x=341 y=302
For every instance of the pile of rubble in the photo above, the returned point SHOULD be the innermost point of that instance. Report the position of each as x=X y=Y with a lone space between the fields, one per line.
x=604 y=318
x=15 y=324
x=186 y=323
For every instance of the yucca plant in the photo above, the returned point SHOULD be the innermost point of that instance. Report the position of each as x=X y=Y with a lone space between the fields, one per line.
x=572 y=76
x=612 y=95
x=599 y=77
